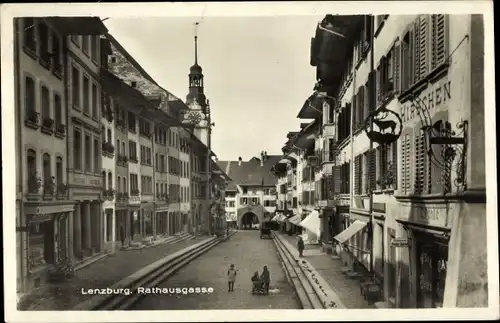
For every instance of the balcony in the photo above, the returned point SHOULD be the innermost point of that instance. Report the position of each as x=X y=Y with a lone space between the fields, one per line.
x=145 y=134
x=135 y=192
x=49 y=188
x=58 y=70
x=34 y=185
x=48 y=126
x=108 y=194
x=133 y=159
x=122 y=160
x=46 y=60
x=61 y=191
x=32 y=119
x=162 y=197
x=108 y=149
x=60 y=131
x=122 y=197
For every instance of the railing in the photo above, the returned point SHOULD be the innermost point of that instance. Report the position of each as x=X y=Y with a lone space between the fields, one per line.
x=48 y=126
x=133 y=159
x=60 y=130
x=34 y=184
x=108 y=148
x=49 y=187
x=62 y=189
x=122 y=197
x=32 y=119
x=108 y=194
x=122 y=159
x=135 y=192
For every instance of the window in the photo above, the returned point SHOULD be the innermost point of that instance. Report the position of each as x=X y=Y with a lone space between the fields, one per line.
x=85 y=44
x=59 y=170
x=110 y=140
x=124 y=183
x=132 y=150
x=75 y=86
x=97 y=156
x=110 y=181
x=43 y=40
x=134 y=182
x=113 y=59
x=124 y=150
x=104 y=180
x=245 y=190
x=118 y=184
x=77 y=150
x=29 y=34
x=88 y=154
x=358 y=175
x=45 y=103
x=95 y=47
x=244 y=201
x=162 y=163
x=147 y=184
x=133 y=84
x=47 y=174
x=406 y=162
x=76 y=40
x=31 y=163
x=86 y=85
x=56 y=52
x=95 y=102
x=118 y=146
x=156 y=162
x=29 y=96
x=132 y=122
x=58 y=110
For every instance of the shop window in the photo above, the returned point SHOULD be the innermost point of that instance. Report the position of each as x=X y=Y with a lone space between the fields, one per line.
x=41 y=244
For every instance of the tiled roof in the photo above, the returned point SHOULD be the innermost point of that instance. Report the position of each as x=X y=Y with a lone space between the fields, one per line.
x=250 y=173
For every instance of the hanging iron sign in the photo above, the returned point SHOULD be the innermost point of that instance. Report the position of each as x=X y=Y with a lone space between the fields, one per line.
x=383 y=126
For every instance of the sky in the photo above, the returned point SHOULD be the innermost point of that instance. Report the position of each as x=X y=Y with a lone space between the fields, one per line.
x=256 y=69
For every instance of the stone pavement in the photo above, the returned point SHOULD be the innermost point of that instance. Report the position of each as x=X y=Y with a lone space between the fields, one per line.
x=248 y=253
x=348 y=290
x=102 y=273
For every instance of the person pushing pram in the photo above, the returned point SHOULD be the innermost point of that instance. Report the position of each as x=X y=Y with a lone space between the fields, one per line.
x=260 y=283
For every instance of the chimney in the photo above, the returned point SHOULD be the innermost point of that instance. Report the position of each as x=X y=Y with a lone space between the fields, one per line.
x=239 y=161
x=265 y=155
x=261 y=158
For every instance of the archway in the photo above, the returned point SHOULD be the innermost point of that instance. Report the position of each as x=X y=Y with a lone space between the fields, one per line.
x=248 y=221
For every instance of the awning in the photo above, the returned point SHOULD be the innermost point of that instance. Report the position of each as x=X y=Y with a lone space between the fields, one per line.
x=295 y=219
x=312 y=223
x=354 y=228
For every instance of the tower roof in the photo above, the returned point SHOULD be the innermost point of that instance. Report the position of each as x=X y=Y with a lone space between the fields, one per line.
x=196 y=69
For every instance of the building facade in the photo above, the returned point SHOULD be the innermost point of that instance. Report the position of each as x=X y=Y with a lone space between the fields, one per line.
x=49 y=226
x=254 y=189
x=395 y=211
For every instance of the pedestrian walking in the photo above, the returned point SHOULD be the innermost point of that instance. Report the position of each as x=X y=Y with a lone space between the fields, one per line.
x=231 y=277
x=266 y=279
x=300 y=246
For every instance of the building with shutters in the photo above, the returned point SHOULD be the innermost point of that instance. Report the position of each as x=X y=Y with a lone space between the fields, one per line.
x=409 y=201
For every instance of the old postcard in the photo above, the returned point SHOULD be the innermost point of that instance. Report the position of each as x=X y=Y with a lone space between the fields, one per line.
x=249 y=161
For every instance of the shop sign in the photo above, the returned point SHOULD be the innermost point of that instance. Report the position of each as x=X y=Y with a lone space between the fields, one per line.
x=422 y=214
x=399 y=242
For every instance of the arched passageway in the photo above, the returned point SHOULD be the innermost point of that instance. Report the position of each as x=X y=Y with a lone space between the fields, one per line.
x=249 y=221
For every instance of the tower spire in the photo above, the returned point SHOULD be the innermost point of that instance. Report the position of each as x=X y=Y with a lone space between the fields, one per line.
x=196 y=42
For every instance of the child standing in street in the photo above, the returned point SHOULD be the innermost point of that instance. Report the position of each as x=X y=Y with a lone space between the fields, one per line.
x=231 y=277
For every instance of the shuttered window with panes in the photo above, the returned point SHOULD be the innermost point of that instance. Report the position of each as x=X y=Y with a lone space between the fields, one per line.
x=358 y=175
x=422 y=49
x=387 y=166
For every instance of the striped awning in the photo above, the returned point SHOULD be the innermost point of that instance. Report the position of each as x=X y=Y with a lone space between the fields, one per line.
x=354 y=228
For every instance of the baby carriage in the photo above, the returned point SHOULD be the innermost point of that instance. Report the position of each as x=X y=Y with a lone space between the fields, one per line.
x=258 y=287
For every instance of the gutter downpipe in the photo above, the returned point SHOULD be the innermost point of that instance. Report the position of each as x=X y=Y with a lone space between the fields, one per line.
x=372 y=104
x=21 y=221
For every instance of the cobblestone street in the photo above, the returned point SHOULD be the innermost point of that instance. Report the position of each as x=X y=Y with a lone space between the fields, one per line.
x=102 y=273
x=248 y=253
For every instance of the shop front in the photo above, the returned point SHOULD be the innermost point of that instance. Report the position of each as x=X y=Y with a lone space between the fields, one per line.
x=423 y=254
x=48 y=240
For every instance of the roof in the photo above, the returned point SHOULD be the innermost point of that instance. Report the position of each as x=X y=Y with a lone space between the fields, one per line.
x=250 y=173
x=71 y=25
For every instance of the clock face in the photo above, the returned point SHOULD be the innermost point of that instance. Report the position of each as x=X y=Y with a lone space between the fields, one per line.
x=194 y=117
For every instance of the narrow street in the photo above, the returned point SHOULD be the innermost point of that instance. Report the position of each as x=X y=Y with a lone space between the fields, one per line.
x=248 y=253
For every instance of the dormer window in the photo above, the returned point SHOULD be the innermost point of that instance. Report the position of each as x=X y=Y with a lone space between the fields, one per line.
x=133 y=84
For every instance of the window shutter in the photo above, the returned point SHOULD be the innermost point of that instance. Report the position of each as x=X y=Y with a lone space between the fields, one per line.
x=362 y=110
x=378 y=84
x=357 y=175
x=355 y=112
x=420 y=167
x=372 y=170
x=396 y=55
x=382 y=165
x=337 y=179
x=439 y=40
x=421 y=48
x=406 y=150
x=366 y=100
x=394 y=164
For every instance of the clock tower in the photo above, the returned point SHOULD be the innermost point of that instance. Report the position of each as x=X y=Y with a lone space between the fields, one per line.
x=197 y=115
